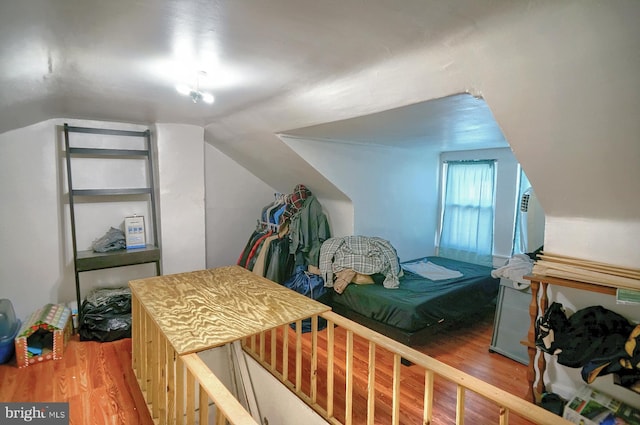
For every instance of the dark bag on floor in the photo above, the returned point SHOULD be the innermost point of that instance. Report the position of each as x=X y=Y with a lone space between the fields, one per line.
x=310 y=285
x=305 y=283
x=106 y=315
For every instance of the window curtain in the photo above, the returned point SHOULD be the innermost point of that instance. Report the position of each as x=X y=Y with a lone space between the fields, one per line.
x=467 y=218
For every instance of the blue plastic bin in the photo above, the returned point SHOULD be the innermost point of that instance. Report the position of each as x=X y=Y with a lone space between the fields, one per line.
x=9 y=327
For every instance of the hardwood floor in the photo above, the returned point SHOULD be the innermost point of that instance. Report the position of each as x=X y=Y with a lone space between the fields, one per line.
x=95 y=378
x=97 y=381
x=465 y=348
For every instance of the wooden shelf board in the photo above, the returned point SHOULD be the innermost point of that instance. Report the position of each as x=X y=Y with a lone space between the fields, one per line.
x=90 y=260
x=602 y=289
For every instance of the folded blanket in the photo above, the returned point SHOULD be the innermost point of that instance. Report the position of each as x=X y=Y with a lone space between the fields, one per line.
x=431 y=271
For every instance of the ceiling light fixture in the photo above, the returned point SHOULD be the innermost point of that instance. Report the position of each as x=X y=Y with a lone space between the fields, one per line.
x=194 y=93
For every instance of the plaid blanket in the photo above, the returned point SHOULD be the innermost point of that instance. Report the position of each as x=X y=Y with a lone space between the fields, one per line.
x=363 y=254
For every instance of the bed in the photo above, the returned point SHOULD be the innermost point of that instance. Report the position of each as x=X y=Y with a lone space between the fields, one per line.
x=420 y=306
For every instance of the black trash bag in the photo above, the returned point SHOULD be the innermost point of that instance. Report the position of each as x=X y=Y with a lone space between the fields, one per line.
x=106 y=315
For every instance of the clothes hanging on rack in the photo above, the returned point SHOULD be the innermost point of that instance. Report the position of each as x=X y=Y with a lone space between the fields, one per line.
x=260 y=263
x=256 y=247
x=294 y=202
x=256 y=255
x=289 y=232
x=242 y=259
x=279 y=264
x=269 y=211
x=308 y=229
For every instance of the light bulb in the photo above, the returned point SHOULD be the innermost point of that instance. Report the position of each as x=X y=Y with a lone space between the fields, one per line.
x=207 y=97
x=183 y=89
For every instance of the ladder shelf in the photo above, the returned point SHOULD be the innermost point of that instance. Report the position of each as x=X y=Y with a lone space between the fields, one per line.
x=89 y=260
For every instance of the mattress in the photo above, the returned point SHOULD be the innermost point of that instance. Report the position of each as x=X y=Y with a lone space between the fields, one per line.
x=420 y=302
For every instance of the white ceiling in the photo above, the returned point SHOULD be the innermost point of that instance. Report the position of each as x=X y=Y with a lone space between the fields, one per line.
x=560 y=77
x=120 y=60
x=457 y=122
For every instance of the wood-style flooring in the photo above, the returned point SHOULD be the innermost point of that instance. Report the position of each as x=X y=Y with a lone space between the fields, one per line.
x=466 y=348
x=97 y=381
x=95 y=378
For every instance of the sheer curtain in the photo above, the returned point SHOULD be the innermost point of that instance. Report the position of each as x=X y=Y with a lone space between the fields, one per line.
x=467 y=220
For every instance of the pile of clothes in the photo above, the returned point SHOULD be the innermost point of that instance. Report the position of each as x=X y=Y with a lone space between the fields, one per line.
x=113 y=240
x=596 y=339
x=342 y=258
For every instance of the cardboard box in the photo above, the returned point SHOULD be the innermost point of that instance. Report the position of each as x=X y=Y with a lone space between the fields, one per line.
x=591 y=407
x=134 y=232
x=44 y=335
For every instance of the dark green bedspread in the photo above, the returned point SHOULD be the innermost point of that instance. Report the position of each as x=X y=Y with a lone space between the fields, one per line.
x=420 y=302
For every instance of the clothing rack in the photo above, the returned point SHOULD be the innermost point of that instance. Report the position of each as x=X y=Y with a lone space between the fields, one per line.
x=279 y=199
x=264 y=225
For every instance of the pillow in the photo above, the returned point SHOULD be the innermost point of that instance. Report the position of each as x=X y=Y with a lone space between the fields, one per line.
x=362 y=279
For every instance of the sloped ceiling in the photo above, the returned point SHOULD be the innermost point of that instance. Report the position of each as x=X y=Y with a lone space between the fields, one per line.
x=451 y=123
x=121 y=60
x=560 y=78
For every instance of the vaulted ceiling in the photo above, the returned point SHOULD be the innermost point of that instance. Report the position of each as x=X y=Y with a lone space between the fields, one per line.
x=121 y=60
x=560 y=78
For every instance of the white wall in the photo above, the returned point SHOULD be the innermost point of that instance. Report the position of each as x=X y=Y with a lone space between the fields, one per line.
x=181 y=186
x=606 y=241
x=36 y=260
x=277 y=403
x=393 y=190
x=31 y=245
x=234 y=201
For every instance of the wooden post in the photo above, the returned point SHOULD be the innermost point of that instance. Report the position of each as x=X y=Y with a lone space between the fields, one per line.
x=531 y=339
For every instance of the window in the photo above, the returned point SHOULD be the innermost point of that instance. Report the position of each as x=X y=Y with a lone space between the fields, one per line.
x=529 y=229
x=466 y=230
x=518 y=244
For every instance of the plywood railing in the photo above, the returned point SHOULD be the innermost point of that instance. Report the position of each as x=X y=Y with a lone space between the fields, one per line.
x=175 y=317
x=178 y=388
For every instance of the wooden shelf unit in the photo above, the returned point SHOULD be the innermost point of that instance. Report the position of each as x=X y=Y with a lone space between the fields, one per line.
x=85 y=261
x=539 y=303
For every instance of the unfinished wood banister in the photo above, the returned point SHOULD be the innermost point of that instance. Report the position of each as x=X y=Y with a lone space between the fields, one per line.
x=371 y=384
x=505 y=403
x=505 y=400
x=314 y=360
x=539 y=302
x=176 y=317
x=395 y=416
x=299 y=355
x=330 y=368
x=224 y=401
x=428 y=396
